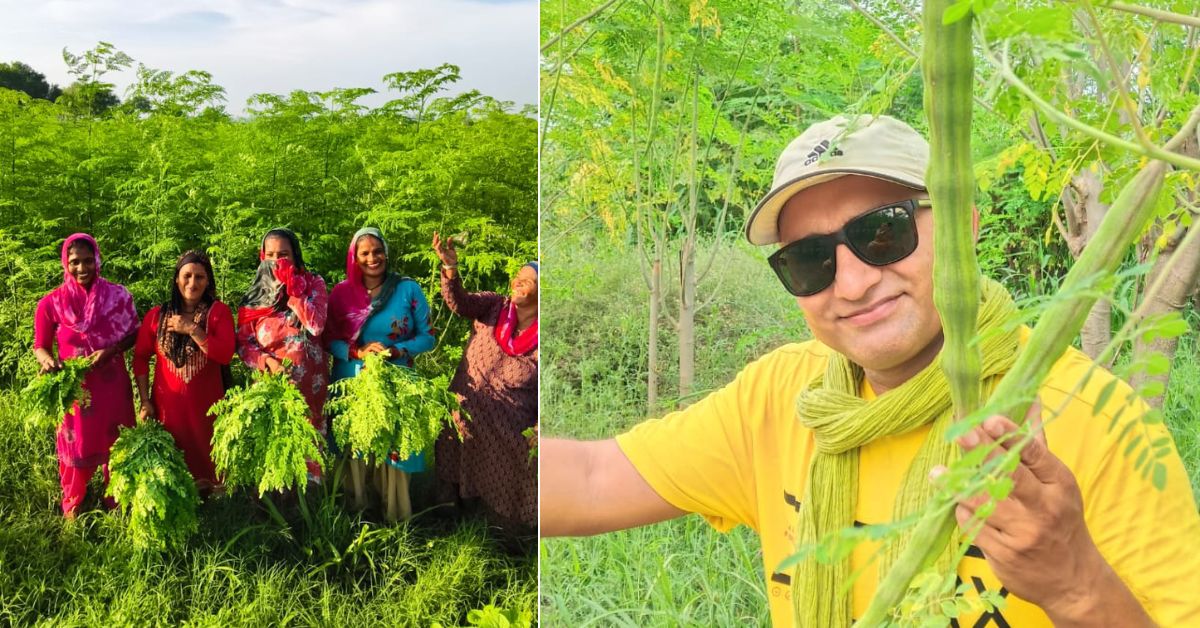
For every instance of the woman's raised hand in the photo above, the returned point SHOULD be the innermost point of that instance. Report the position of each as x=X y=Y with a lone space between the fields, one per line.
x=445 y=250
x=291 y=277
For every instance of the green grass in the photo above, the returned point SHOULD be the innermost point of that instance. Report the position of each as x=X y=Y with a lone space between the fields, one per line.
x=241 y=569
x=683 y=573
x=1182 y=404
x=594 y=317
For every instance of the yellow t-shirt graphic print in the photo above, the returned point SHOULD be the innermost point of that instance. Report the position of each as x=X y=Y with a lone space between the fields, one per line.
x=740 y=457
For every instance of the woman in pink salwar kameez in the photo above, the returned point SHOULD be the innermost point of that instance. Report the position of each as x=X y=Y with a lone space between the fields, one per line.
x=281 y=318
x=89 y=317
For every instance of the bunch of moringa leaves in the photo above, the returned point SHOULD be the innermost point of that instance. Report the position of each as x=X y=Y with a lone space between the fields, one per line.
x=51 y=395
x=151 y=482
x=262 y=436
x=388 y=408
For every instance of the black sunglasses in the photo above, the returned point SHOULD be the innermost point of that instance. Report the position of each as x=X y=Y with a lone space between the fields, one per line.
x=880 y=236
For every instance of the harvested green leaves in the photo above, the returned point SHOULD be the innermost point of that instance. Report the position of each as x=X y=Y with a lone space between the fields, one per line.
x=388 y=408
x=151 y=482
x=50 y=396
x=262 y=436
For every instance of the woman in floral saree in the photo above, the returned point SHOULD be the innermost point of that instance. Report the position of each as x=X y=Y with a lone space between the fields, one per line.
x=281 y=318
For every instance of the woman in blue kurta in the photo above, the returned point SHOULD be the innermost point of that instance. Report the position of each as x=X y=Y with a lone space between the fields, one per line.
x=376 y=310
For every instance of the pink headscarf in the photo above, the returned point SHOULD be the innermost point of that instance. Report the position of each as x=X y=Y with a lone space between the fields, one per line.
x=103 y=313
x=350 y=305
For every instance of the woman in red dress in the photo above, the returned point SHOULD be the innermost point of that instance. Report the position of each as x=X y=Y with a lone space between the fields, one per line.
x=191 y=336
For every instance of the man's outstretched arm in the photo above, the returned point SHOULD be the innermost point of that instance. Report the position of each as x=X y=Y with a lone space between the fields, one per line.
x=590 y=487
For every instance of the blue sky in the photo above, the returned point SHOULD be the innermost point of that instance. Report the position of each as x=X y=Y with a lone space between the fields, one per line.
x=277 y=46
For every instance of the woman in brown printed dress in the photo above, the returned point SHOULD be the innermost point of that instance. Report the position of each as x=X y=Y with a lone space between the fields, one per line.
x=496 y=383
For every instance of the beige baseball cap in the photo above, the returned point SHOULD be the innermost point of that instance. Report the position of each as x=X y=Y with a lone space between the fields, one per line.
x=874 y=146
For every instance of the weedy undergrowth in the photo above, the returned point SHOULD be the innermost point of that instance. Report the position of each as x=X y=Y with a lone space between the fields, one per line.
x=262 y=436
x=51 y=395
x=151 y=482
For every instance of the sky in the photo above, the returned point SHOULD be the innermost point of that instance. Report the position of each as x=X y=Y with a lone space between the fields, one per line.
x=276 y=46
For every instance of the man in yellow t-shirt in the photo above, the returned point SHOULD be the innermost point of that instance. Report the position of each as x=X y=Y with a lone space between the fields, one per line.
x=1081 y=540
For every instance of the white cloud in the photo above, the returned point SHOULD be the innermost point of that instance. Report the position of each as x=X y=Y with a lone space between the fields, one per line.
x=280 y=45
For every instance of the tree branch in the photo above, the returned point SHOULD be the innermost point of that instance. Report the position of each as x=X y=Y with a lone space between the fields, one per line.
x=1163 y=154
x=576 y=24
x=1158 y=14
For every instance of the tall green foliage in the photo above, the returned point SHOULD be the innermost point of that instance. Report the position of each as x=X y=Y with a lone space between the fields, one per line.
x=170 y=171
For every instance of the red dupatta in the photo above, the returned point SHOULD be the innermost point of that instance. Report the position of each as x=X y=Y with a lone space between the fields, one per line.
x=511 y=342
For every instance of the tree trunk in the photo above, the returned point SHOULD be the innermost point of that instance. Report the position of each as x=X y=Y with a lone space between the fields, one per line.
x=1088 y=211
x=652 y=336
x=1172 y=298
x=687 y=318
x=404 y=503
x=358 y=471
x=392 y=507
x=1178 y=289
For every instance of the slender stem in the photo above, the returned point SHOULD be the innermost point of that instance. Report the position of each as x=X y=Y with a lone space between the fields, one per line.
x=273 y=511
x=883 y=27
x=1118 y=78
x=302 y=499
x=553 y=95
x=1158 y=14
x=576 y=24
x=1163 y=154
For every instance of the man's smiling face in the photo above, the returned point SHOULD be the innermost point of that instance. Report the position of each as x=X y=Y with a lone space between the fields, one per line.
x=880 y=317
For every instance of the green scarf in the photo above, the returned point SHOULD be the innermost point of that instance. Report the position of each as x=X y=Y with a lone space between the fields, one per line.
x=842 y=422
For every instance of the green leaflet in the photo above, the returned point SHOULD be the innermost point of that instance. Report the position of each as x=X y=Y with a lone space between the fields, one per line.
x=388 y=408
x=262 y=436
x=151 y=482
x=48 y=397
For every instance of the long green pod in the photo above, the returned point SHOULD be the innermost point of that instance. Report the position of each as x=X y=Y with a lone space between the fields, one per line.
x=948 y=67
x=1059 y=324
x=1124 y=223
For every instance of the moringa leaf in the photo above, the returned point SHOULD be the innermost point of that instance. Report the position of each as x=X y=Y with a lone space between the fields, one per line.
x=50 y=396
